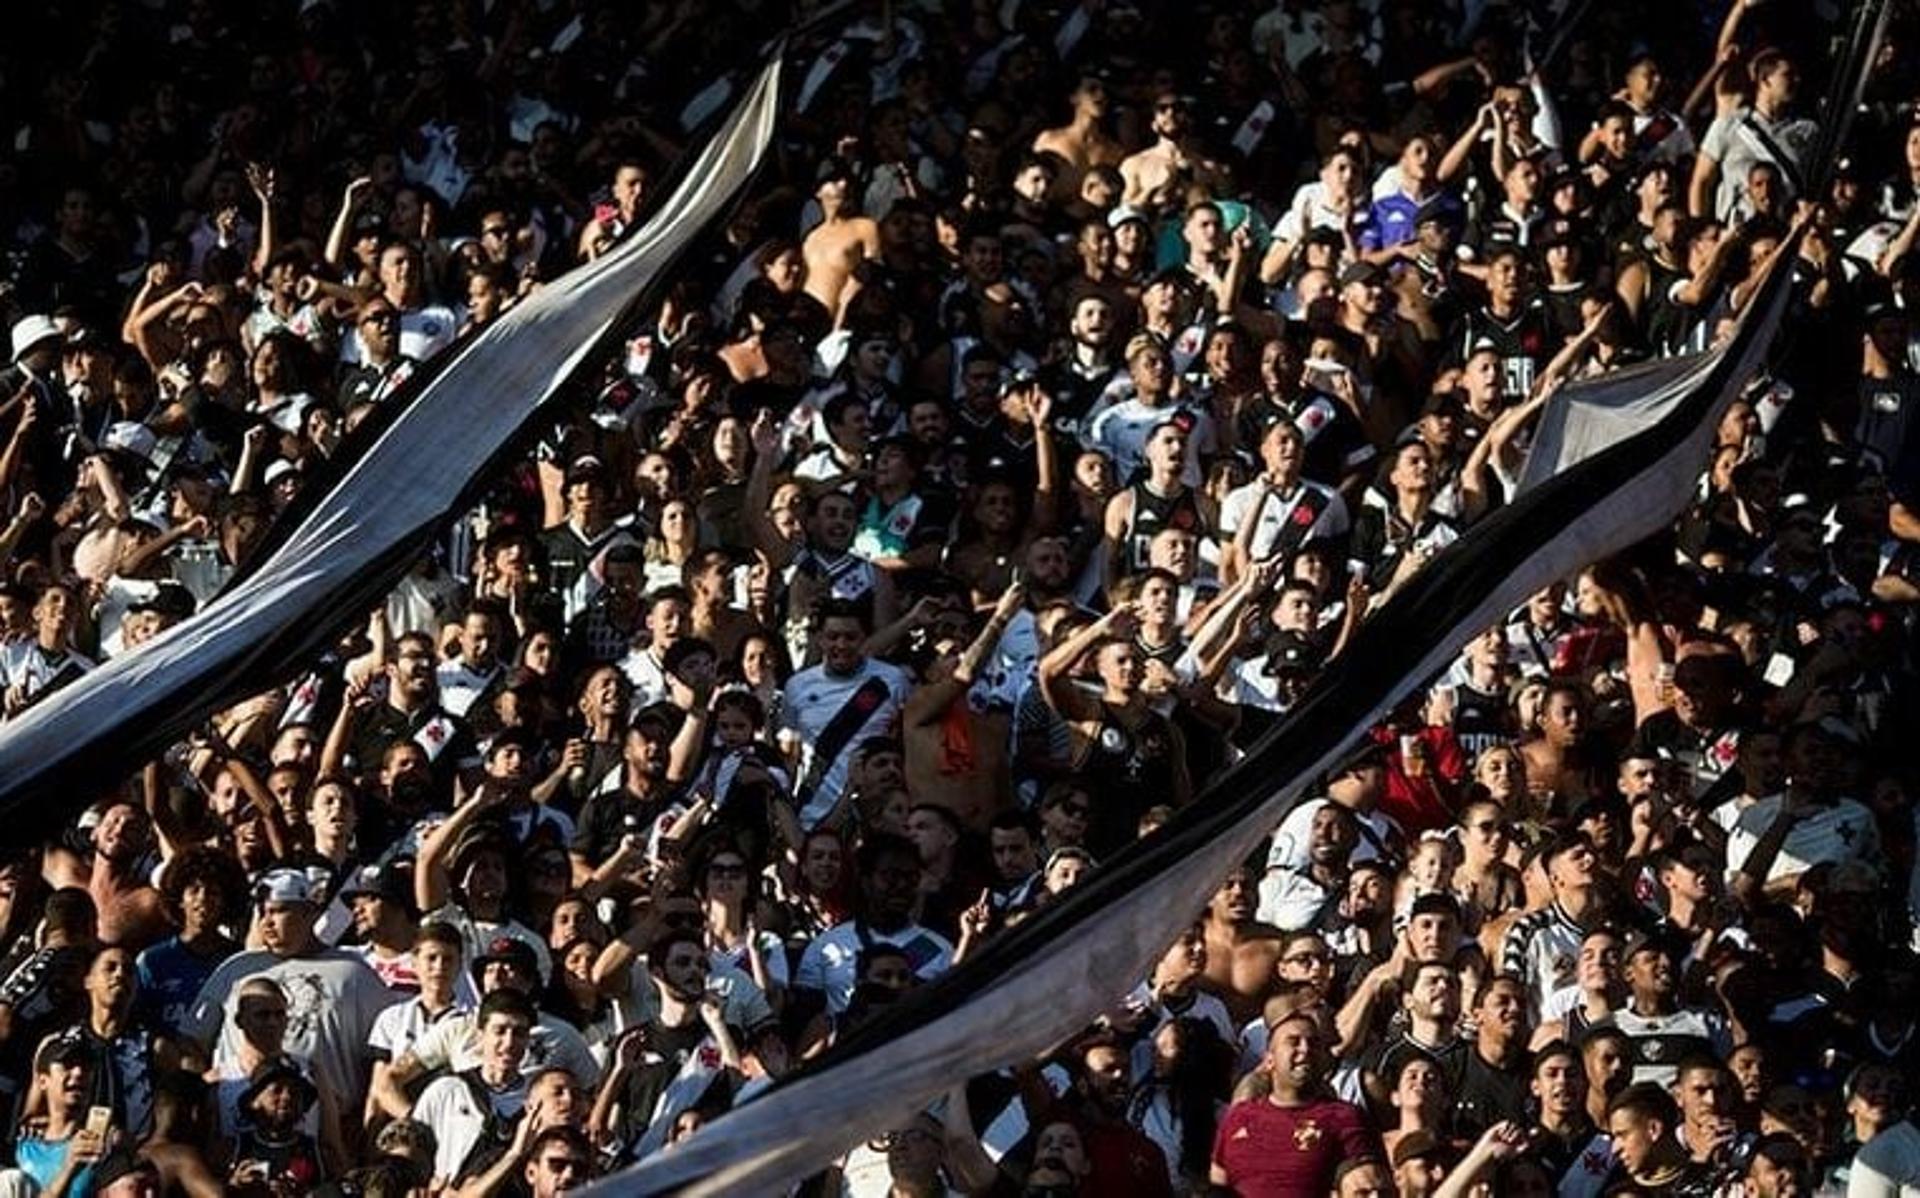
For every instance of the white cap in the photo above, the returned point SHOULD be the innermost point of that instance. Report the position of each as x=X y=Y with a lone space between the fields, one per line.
x=133 y=437
x=280 y=468
x=30 y=331
x=285 y=886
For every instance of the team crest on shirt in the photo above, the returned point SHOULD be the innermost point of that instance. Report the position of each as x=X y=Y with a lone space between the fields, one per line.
x=1112 y=740
x=1306 y=1136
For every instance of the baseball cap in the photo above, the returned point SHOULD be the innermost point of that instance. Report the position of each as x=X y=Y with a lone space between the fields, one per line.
x=585 y=468
x=1123 y=213
x=508 y=950
x=65 y=1049
x=169 y=598
x=1362 y=272
x=285 y=886
x=833 y=168
x=381 y=881
x=130 y=436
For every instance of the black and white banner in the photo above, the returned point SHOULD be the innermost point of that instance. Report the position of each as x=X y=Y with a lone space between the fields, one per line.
x=1042 y=981
x=365 y=531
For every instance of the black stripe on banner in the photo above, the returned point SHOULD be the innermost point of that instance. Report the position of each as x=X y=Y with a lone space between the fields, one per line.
x=1041 y=980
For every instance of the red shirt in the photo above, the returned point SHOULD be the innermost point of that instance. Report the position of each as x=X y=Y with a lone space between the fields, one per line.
x=1270 y=1151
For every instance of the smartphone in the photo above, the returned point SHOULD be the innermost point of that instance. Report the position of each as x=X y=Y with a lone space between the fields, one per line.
x=99 y=1119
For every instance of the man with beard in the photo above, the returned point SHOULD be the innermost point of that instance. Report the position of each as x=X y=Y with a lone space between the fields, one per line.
x=131 y=912
x=410 y=711
x=332 y=997
x=1085 y=368
x=1159 y=175
x=1290 y=1141
x=385 y=926
x=1242 y=952
x=666 y=1064
x=615 y=823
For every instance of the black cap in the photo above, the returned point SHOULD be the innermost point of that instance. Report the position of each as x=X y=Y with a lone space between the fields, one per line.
x=66 y=1049
x=586 y=468
x=509 y=950
x=833 y=168
x=1363 y=272
x=169 y=598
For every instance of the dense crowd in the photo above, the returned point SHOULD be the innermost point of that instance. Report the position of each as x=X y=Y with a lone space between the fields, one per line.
x=1063 y=398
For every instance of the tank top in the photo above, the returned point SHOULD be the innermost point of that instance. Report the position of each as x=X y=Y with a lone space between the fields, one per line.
x=1152 y=512
x=1127 y=770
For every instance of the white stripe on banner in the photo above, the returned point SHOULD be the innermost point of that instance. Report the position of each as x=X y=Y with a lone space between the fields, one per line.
x=408 y=481
x=1059 y=970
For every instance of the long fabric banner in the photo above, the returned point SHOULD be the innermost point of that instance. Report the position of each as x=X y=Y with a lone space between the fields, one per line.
x=357 y=540
x=1042 y=981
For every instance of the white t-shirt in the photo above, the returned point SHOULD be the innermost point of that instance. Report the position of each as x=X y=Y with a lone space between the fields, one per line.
x=453 y=1044
x=332 y=1002
x=812 y=700
x=448 y=1106
x=401 y=1025
x=831 y=962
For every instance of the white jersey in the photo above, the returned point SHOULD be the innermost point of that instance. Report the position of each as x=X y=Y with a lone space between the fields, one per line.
x=831 y=715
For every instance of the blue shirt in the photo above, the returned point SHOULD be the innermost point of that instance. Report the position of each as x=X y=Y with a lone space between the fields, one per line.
x=170 y=976
x=1396 y=218
x=42 y=1160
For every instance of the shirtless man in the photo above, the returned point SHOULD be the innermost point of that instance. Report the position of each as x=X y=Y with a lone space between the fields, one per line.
x=130 y=911
x=843 y=240
x=1242 y=952
x=1158 y=176
x=1083 y=142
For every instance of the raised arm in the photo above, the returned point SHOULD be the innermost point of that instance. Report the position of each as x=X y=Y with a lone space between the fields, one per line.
x=1056 y=668
x=343 y=220
x=759 y=497
x=261 y=179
